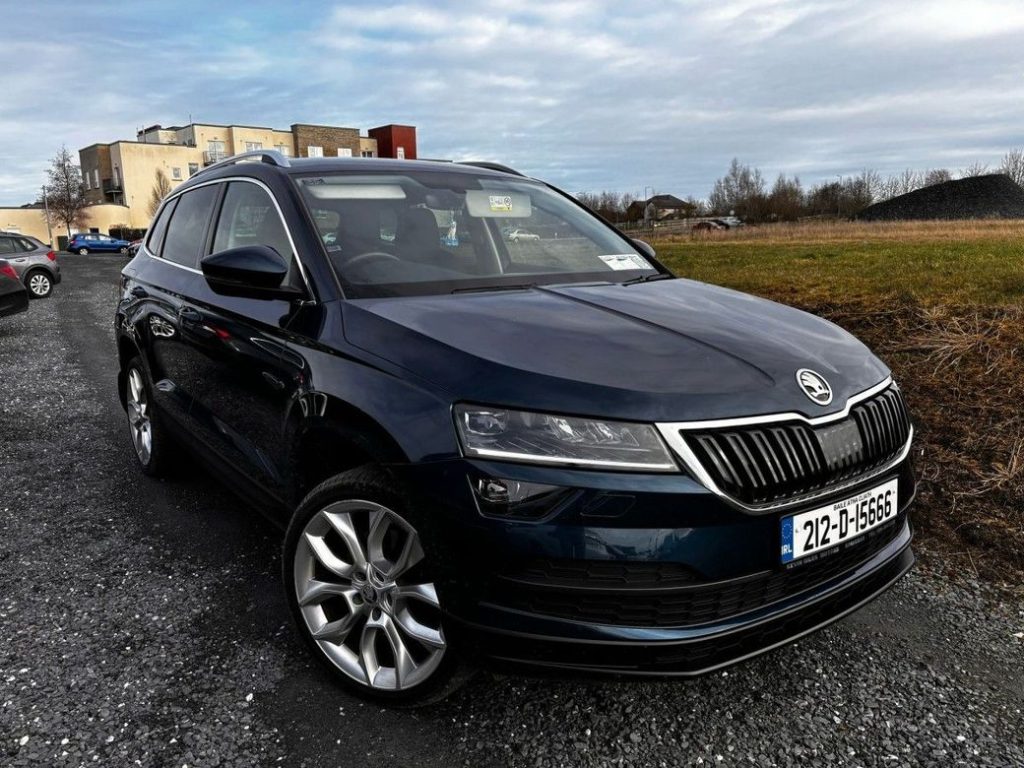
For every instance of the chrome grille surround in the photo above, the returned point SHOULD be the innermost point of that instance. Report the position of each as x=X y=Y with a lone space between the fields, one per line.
x=773 y=455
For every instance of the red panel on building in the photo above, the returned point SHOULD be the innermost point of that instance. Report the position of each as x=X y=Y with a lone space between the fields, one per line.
x=395 y=141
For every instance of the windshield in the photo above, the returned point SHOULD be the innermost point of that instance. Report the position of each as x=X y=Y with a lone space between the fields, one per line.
x=430 y=232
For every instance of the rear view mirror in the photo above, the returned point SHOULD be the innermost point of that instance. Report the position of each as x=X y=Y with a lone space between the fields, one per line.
x=252 y=271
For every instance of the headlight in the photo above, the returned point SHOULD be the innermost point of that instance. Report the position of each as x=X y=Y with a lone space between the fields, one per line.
x=541 y=438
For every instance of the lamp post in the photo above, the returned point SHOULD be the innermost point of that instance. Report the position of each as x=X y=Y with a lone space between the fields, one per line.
x=46 y=208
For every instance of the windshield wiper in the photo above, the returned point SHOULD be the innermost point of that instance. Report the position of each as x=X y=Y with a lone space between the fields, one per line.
x=647 y=278
x=479 y=288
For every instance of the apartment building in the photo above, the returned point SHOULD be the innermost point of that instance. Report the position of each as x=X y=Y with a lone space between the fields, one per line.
x=124 y=173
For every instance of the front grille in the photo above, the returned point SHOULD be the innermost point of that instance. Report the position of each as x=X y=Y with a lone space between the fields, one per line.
x=667 y=600
x=772 y=463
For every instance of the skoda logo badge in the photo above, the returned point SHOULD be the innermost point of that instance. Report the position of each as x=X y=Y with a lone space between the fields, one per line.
x=814 y=386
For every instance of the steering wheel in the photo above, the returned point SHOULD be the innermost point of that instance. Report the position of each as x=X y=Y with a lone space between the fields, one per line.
x=369 y=256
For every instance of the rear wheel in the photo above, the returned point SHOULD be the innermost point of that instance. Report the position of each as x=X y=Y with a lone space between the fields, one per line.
x=359 y=577
x=152 y=444
x=39 y=284
x=124 y=250
x=83 y=251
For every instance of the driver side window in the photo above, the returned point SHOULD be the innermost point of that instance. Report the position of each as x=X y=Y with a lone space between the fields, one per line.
x=248 y=217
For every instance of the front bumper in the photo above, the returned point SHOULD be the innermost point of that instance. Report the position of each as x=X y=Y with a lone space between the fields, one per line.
x=640 y=574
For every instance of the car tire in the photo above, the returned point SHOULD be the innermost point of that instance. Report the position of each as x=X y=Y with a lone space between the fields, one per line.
x=359 y=566
x=154 y=447
x=39 y=284
x=83 y=251
x=124 y=250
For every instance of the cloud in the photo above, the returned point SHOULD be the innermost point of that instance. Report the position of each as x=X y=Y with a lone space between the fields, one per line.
x=591 y=95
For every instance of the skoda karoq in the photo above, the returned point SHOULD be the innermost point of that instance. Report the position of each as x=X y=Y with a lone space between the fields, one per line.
x=549 y=451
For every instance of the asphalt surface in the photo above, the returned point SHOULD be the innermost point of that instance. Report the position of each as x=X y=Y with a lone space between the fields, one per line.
x=143 y=623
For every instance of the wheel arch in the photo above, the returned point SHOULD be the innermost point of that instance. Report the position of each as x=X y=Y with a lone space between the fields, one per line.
x=338 y=438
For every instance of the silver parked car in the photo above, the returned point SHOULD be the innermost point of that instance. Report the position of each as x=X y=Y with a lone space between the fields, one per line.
x=34 y=263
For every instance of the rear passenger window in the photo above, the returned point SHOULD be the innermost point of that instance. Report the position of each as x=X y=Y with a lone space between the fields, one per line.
x=6 y=245
x=26 y=244
x=185 y=233
x=156 y=234
x=248 y=217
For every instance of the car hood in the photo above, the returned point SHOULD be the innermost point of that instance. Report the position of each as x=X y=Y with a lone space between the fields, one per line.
x=668 y=350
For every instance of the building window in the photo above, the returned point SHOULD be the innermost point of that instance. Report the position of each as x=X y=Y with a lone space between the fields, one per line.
x=193 y=169
x=176 y=174
x=312 y=151
x=284 y=149
x=368 y=153
x=252 y=146
x=344 y=152
x=400 y=154
x=215 y=151
x=96 y=178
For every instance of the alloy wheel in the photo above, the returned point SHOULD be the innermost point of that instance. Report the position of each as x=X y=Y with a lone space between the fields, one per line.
x=353 y=573
x=83 y=251
x=139 y=417
x=39 y=284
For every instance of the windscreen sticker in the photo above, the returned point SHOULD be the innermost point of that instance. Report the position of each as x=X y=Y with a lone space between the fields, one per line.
x=500 y=203
x=622 y=261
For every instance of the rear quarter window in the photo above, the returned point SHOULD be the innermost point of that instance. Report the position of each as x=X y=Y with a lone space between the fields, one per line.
x=155 y=240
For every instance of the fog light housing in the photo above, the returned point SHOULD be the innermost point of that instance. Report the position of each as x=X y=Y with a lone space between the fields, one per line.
x=518 y=500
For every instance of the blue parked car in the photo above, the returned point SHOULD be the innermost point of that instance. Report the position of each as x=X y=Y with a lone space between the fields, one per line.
x=95 y=243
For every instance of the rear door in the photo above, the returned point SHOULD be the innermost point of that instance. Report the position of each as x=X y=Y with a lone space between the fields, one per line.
x=168 y=280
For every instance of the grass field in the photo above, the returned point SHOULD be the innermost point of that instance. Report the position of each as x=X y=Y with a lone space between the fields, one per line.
x=926 y=262
x=943 y=304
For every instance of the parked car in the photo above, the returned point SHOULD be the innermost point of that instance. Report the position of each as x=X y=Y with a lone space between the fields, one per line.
x=708 y=226
x=578 y=461
x=518 y=235
x=13 y=295
x=94 y=243
x=34 y=263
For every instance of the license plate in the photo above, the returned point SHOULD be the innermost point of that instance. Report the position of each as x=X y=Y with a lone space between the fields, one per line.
x=826 y=527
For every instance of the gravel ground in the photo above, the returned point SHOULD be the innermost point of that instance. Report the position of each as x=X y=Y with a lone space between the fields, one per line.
x=141 y=623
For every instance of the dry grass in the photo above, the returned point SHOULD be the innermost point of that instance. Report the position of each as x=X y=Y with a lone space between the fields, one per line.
x=929 y=263
x=842 y=231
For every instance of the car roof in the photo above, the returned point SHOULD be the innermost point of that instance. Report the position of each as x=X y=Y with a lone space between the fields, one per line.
x=304 y=165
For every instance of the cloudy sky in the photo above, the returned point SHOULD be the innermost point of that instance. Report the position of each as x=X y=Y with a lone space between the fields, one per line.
x=590 y=95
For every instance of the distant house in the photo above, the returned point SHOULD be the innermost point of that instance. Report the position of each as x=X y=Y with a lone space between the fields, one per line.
x=658 y=208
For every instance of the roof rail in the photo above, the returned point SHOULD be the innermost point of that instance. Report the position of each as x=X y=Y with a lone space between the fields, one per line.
x=491 y=166
x=268 y=156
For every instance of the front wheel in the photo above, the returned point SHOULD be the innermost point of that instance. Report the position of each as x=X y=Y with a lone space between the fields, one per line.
x=83 y=251
x=39 y=285
x=359 y=577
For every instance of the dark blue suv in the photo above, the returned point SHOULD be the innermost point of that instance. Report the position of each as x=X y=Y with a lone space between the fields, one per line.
x=551 y=451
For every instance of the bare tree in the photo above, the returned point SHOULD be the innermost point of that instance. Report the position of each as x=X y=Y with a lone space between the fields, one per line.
x=1013 y=165
x=786 y=200
x=161 y=188
x=901 y=183
x=871 y=183
x=64 y=193
x=741 y=191
x=974 y=169
x=936 y=176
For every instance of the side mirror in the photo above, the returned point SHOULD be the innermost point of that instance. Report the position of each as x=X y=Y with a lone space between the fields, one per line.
x=252 y=272
x=645 y=248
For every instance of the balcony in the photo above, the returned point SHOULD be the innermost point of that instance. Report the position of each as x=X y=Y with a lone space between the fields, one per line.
x=111 y=186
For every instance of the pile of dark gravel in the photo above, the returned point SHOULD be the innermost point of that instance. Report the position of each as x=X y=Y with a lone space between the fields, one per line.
x=995 y=196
